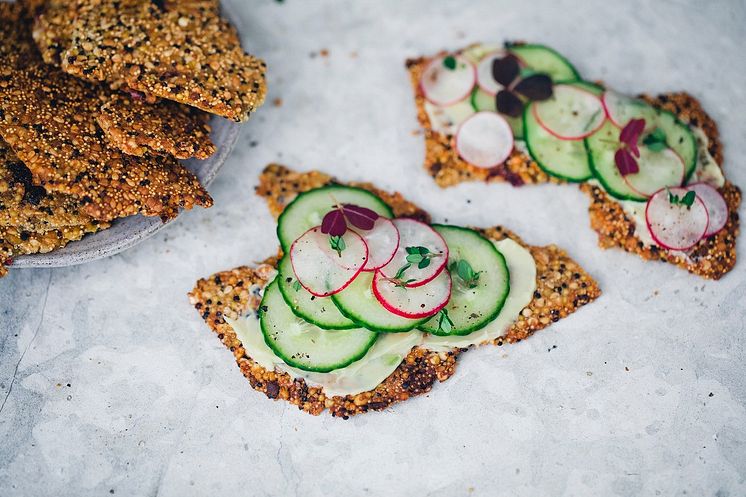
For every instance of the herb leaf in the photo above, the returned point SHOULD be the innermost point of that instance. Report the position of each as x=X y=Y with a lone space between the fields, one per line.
x=508 y=103
x=449 y=62
x=338 y=244
x=687 y=200
x=296 y=285
x=445 y=325
x=535 y=87
x=360 y=217
x=655 y=141
x=505 y=70
x=464 y=271
x=625 y=162
x=334 y=223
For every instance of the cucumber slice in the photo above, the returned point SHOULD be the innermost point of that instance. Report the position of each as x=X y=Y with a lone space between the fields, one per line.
x=471 y=309
x=657 y=169
x=304 y=345
x=320 y=311
x=566 y=159
x=483 y=101
x=308 y=209
x=621 y=109
x=359 y=304
x=543 y=59
x=447 y=119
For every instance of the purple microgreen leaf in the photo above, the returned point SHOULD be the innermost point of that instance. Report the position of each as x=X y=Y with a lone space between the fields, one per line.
x=508 y=103
x=505 y=70
x=334 y=223
x=535 y=87
x=625 y=162
x=360 y=217
x=631 y=132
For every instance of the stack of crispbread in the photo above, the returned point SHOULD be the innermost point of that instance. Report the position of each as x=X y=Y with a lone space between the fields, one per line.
x=98 y=100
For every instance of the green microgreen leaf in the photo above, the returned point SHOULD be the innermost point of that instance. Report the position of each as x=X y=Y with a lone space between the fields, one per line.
x=400 y=272
x=296 y=285
x=338 y=244
x=687 y=200
x=445 y=325
x=449 y=62
x=655 y=141
x=465 y=272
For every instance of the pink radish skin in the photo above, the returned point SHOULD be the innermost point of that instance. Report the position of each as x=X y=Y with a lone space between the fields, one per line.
x=473 y=142
x=414 y=303
x=537 y=115
x=717 y=207
x=315 y=263
x=415 y=233
x=675 y=227
x=485 y=79
x=648 y=195
x=382 y=241
x=429 y=77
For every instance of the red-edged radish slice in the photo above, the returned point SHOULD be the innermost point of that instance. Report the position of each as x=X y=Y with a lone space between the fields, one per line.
x=571 y=114
x=675 y=226
x=657 y=170
x=485 y=139
x=413 y=303
x=621 y=108
x=382 y=242
x=444 y=86
x=319 y=268
x=717 y=208
x=485 y=79
x=413 y=233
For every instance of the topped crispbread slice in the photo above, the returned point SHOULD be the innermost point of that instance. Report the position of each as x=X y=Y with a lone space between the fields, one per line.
x=562 y=288
x=712 y=257
x=189 y=55
x=48 y=118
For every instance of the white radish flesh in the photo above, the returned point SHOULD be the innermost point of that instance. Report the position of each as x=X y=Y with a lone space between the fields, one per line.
x=445 y=86
x=675 y=226
x=413 y=303
x=485 y=139
x=485 y=78
x=413 y=233
x=319 y=268
x=717 y=208
x=382 y=242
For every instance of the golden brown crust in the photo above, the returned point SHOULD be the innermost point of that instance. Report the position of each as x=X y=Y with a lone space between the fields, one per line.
x=562 y=288
x=165 y=128
x=191 y=56
x=48 y=118
x=710 y=258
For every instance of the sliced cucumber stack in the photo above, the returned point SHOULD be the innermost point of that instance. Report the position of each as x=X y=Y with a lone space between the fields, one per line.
x=564 y=158
x=320 y=311
x=360 y=305
x=305 y=346
x=477 y=293
x=308 y=209
x=542 y=59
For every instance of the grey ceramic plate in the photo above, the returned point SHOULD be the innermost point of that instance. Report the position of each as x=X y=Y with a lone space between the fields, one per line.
x=128 y=232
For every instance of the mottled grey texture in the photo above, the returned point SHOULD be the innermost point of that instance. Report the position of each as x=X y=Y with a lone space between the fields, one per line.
x=643 y=395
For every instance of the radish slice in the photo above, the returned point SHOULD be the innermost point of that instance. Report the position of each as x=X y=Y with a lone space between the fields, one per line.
x=413 y=303
x=485 y=79
x=413 y=233
x=620 y=109
x=717 y=208
x=657 y=170
x=444 y=86
x=319 y=268
x=382 y=242
x=485 y=139
x=675 y=226
x=446 y=120
x=571 y=114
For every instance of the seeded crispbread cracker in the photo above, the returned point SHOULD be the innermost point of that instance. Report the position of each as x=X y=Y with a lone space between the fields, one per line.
x=562 y=288
x=48 y=118
x=191 y=56
x=710 y=258
x=165 y=128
